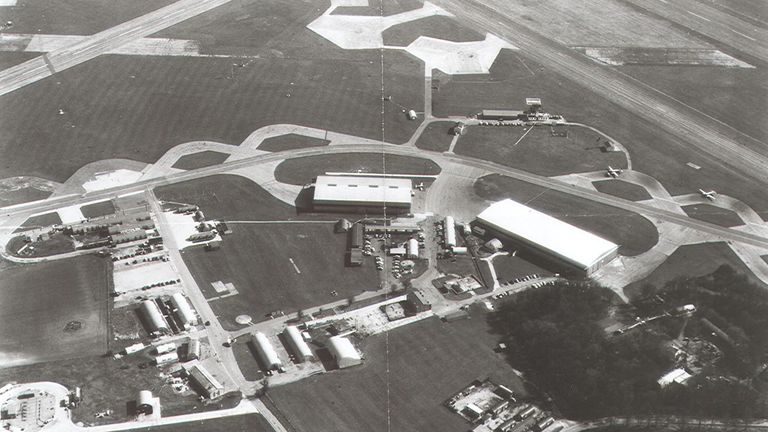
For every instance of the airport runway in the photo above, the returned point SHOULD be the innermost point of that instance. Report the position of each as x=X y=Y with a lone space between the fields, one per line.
x=683 y=220
x=711 y=22
x=704 y=135
x=46 y=65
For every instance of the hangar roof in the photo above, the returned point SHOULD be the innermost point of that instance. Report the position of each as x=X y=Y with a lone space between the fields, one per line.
x=374 y=189
x=342 y=348
x=564 y=240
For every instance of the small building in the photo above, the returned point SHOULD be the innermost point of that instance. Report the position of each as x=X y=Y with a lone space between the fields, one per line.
x=459 y=250
x=299 y=347
x=131 y=349
x=675 y=376
x=202 y=236
x=494 y=245
x=362 y=194
x=450 y=232
x=156 y=323
x=165 y=348
x=355 y=257
x=342 y=225
x=128 y=236
x=356 y=236
x=412 y=115
x=266 y=351
x=167 y=358
x=183 y=310
x=144 y=402
x=397 y=251
x=193 y=349
x=344 y=352
x=203 y=381
x=187 y=209
x=394 y=311
x=413 y=248
x=462 y=285
x=417 y=301
x=391 y=229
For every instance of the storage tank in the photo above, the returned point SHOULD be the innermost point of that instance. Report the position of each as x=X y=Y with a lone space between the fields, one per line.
x=183 y=311
x=299 y=347
x=413 y=248
x=155 y=320
x=266 y=351
x=450 y=232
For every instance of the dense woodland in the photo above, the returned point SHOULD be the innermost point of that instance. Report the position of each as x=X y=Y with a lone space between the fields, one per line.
x=555 y=338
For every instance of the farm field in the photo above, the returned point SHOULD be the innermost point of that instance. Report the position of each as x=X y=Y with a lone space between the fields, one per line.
x=715 y=215
x=18 y=196
x=634 y=233
x=200 y=160
x=622 y=189
x=76 y=17
x=429 y=361
x=291 y=142
x=692 y=261
x=303 y=170
x=436 y=136
x=102 y=208
x=240 y=423
x=139 y=107
x=229 y=197
x=654 y=151
x=438 y=27
x=257 y=260
x=538 y=151
x=54 y=310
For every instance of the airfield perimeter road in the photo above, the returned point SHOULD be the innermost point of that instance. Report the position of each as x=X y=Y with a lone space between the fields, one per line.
x=711 y=22
x=46 y=65
x=725 y=233
x=704 y=135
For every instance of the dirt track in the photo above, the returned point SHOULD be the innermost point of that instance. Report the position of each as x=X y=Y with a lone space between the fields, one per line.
x=704 y=135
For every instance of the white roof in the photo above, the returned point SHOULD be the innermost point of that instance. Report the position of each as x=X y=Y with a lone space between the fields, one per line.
x=363 y=189
x=676 y=375
x=342 y=348
x=564 y=240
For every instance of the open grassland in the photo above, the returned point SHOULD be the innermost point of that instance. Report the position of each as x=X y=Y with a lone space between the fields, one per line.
x=18 y=196
x=538 y=151
x=509 y=268
x=40 y=300
x=634 y=233
x=745 y=8
x=259 y=260
x=102 y=208
x=139 y=107
x=692 y=261
x=712 y=214
x=228 y=197
x=438 y=27
x=240 y=423
x=291 y=142
x=43 y=220
x=12 y=58
x=303 y=170
x=407 y=376
x=74 y=17
x=622 y=189
x=436 y=136
x=654 y=152
x=383 y=7
x=200 y=160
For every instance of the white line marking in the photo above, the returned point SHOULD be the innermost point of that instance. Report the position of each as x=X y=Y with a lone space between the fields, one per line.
x=699 y=16
x=294 y=265
x=742 y=34
x=521 y=138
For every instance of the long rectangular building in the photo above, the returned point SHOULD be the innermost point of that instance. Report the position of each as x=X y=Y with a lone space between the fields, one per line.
x=548 y=236
x=362 y=194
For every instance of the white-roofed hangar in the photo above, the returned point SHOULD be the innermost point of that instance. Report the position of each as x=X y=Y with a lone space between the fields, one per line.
x=362 y=194
x=547 y=236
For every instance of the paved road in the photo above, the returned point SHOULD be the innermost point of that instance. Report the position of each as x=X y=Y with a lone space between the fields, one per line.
x=704 y=135
x=725 y=233
x=100 y=43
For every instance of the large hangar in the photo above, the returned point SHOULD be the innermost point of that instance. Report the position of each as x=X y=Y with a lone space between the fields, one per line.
x=362 y=194
x=548 y=236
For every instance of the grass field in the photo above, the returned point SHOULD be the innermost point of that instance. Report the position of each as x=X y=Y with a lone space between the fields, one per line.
x=240 y=423
x=634 y=233
x=291 y=142
x=436 y=137
x=654 y=151
x=102 y=208
x=383 y=7
x=256 y=259
x=622 y=189
x=510 y=268
x=40 y=300
x=76 y=17
x=439 y=27
x=712 y=214
x=428 y=362
x=692 y=261
x=200 y=160
x=56 y=244
x=538 y=151
x=43 y=220
x=18 y=196
x=228 y=197
x=12 y=58
x=303 y=170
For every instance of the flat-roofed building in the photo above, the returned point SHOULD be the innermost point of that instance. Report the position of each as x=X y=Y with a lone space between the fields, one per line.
x=360 y=194
x=548 y=237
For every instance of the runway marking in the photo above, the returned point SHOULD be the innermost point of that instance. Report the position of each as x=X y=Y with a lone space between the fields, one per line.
x=742 y=34
x=521 y=138
x=294 y=265
x=699 y=16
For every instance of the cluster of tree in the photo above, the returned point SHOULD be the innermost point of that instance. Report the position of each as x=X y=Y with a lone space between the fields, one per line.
x=555 y=337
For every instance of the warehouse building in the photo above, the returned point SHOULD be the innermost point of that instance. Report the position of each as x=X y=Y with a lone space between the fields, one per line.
x=266 y=351
x=203 y=381
x=547 y=237
x=156 y=323
x=299 y=347
x=184 y=311
x=344 y=352
x=359 y=194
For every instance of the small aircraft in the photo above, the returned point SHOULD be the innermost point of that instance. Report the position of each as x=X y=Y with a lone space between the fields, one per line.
x=710 y=195
x=420 y=186
x=613 y=172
